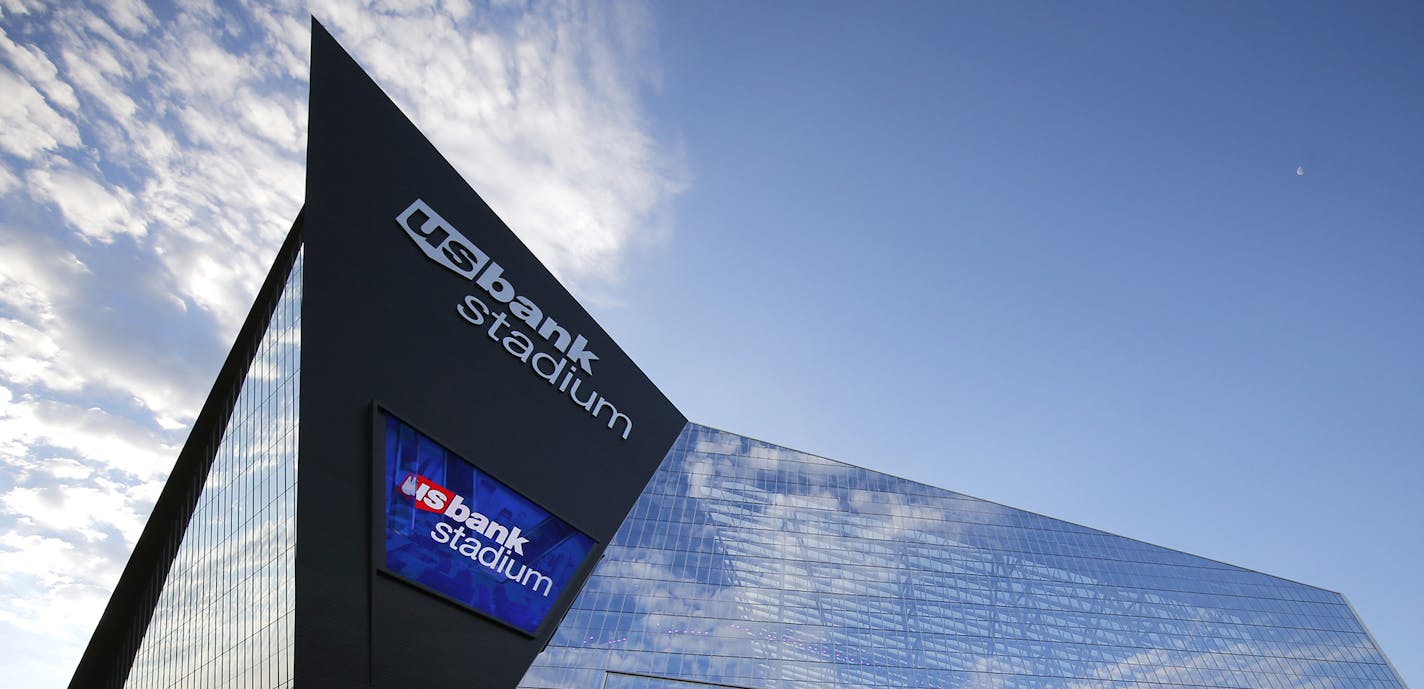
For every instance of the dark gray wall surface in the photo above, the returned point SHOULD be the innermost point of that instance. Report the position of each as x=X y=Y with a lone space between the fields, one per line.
x=379 y=323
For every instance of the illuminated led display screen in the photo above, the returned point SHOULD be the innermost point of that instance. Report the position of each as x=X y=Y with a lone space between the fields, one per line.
x=455 y=531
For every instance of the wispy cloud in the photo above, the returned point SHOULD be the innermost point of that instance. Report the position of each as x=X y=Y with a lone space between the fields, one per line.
x=152 y=161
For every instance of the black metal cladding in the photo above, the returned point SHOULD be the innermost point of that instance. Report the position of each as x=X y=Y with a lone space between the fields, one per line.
x=382 y=324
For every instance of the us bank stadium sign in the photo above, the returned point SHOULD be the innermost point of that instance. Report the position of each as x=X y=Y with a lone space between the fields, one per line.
x=564 y=359
x=501 y=435
x=458 y=532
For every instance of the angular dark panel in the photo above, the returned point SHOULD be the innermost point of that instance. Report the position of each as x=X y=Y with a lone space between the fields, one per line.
x=421 y=303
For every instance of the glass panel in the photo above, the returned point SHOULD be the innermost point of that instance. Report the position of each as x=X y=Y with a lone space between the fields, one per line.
x=224 y=618
x=744 y=564
x=621 y=681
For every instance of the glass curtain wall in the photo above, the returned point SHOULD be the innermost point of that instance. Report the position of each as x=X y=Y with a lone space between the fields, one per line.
x=748 y=565
x=224 y=617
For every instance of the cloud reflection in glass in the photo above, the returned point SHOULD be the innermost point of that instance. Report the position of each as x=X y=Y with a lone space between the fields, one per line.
x=750 y=565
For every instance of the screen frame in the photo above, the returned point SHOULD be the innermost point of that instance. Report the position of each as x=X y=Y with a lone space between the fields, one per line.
x=377 y=471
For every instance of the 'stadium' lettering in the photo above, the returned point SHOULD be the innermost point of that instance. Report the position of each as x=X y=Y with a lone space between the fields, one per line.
x=492 y=545
x=491 y=557
x=512 y=315
x=552 y=369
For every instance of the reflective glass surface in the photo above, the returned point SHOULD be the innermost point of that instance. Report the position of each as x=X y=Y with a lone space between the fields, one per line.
x=744 y=564
x=224 y=618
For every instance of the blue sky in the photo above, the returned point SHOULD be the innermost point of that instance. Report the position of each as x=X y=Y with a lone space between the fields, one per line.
x=1055 y=256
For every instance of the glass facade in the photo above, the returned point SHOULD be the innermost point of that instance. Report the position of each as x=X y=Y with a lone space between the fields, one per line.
x=224 y=618
x=748 y=565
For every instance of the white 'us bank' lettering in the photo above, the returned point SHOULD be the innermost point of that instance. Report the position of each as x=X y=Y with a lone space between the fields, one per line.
x=445 y=245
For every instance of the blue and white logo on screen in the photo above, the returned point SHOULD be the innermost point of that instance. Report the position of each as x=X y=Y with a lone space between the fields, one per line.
x=457 y=531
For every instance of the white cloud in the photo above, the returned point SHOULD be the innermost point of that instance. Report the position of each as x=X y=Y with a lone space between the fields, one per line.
x=130 y=15
x=34 y=427
x=71 y=581
x=82 y=511
x=37 y=68
x=268 y=119
x=96 y=211
x=28 y=125
x=545 y=95
x=98 y=74
x=32 y=357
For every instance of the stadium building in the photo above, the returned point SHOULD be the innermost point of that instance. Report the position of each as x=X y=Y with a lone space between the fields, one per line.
x=423 y=464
